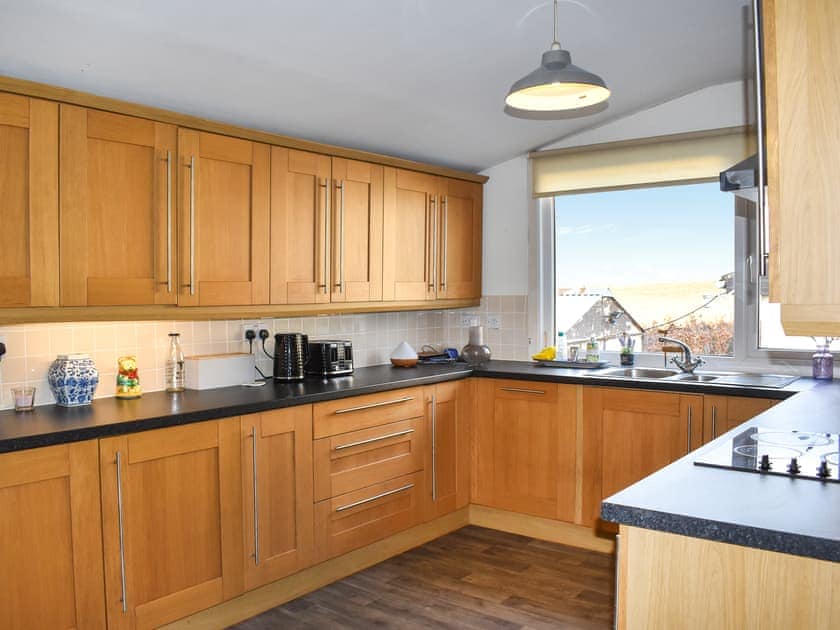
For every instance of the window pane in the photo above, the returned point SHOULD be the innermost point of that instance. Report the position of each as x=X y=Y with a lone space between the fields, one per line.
x=647 y=261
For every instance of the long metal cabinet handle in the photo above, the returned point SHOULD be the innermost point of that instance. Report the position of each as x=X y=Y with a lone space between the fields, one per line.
x=714 y=421
x=617 y=580
x=396 y=401
x=445 y=248
x=381 y=495
x=340 y=283
x=325 y=185
x=433 y=242
x=192 y=225
x=762 y=216
x=523 y=391
x=688 y=445
x=169 y=221
x=256 y=497
x=434 y=447
x=378 y=438
x=122 y=534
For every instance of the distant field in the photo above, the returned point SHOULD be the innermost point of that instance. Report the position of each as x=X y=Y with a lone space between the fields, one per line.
x=647 y=303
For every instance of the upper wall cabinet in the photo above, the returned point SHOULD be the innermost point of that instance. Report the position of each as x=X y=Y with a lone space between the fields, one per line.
x=224 y=220
x=326 y=229
x=803 y=126
x=28 y=202
x=432 y=245
x=118 y=242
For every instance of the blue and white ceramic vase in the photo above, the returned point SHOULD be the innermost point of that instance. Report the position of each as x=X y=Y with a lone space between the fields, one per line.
x=73 y=379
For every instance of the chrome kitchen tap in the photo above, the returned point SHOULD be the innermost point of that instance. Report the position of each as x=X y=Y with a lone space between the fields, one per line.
x=688 y=363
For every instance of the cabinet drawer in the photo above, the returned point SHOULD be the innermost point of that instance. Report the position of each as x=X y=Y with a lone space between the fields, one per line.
x=364 y=516
x=354 y=460
x=361 y=412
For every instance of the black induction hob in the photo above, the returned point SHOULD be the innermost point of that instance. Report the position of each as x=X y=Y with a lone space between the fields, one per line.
x=795 y=454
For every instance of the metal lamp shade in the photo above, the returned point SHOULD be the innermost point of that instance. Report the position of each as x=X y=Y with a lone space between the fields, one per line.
x=557 y=85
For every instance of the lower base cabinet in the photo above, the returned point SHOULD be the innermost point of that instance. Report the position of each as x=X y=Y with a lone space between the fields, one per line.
x=629 y=434
x=358 y=518
x=524 y=449
x=447 y=454
x=277 y=494
x=172 y=524
x=724 y=413
x=51 y=539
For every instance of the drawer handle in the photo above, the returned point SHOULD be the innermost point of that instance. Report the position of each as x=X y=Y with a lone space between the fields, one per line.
x=523 y=391
x=379 y=404
x=341 y=447
x=381 y=495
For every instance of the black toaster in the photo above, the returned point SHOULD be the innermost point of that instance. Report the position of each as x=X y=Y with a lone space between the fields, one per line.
x=330 y=358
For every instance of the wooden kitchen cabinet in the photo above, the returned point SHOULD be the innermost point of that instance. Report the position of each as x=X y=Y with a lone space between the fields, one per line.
x=277 y=493
x=448 y=427
x=432 y=237
x=801 y=93
x=224 y=220
x=51 y=538
x=28 y=202
x=172 y=521
x=459 y=265
x=524 y=447
x=326 y=229
x=723 y=413
x=118 y=219
x=629 y=434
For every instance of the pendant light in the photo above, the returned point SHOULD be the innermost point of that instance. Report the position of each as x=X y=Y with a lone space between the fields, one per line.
x=557 y=85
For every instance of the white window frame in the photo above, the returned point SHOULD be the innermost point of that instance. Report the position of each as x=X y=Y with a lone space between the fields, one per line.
x=746 y=353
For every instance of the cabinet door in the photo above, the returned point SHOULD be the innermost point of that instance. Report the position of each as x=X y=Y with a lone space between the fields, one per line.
x=277 y=491
x=118 y=242
x=459 y=267
x=803 y=161
x=224 y=220
x=723 y=413
x=356 y=231
x=51 y=538
x=448 y=449
x=525 y=447
x=28 y=202
x=172 y=524
x=629 y=434
x=300 y=254
x=409 y=252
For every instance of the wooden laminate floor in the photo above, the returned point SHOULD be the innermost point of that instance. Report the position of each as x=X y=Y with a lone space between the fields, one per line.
x=472 y=578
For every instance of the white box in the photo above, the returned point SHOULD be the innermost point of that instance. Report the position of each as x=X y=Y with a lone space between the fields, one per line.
x=208 y=371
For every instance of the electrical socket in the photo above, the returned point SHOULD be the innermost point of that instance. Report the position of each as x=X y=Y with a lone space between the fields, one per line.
x=469 y=320
x=494 y=322
x=254 y=325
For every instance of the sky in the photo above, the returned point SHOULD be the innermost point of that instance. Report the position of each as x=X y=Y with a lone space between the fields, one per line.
x=643 y=236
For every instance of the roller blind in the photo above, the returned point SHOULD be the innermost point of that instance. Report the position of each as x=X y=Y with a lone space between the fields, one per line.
x=661 y=160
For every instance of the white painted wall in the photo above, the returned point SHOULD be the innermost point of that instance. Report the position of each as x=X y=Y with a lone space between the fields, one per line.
x=507 y=204
x=505 y=258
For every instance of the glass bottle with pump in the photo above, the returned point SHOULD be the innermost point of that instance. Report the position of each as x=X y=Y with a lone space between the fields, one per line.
x=174 y=372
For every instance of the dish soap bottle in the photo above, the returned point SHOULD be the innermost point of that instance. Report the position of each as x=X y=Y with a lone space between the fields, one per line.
x=174 y=371
x=562 y=351
x=593 y=353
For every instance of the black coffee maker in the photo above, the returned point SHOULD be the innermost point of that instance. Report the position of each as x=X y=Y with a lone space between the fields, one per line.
x=291 y=352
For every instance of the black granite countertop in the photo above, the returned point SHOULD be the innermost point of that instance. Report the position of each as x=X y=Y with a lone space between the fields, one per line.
x=796 y=516
x=51 y=424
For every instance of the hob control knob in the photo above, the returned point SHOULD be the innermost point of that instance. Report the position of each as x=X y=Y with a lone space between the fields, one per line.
x=793 y=468
x=765 y=462
x=823 y=470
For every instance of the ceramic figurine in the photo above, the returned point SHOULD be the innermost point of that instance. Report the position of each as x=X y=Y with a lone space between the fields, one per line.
x=128 y=381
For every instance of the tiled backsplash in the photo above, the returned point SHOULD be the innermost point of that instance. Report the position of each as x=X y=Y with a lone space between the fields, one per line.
x=32 y=347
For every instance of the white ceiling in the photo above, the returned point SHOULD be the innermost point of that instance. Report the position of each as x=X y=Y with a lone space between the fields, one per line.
x=422 y=79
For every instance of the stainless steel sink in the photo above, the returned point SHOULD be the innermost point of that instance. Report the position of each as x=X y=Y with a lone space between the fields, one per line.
x=637 y=372
x=697 y=378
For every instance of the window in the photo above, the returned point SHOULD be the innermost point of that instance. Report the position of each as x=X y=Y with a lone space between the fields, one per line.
x=647 y=261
